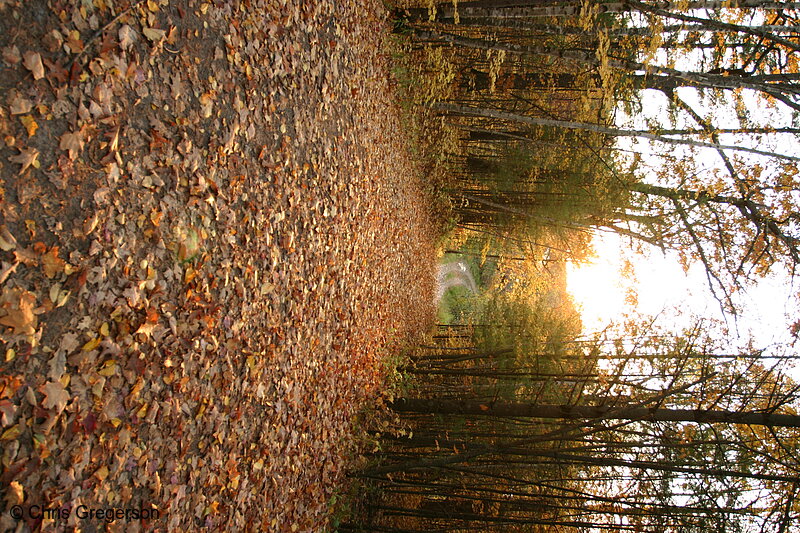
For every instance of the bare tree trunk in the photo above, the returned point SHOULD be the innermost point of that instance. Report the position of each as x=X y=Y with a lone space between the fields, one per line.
x=597 y=128
x=573 y=412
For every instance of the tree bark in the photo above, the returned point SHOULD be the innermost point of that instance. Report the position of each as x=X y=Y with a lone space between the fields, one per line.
x=597 y=128
x=445 y=12
x=573 y=412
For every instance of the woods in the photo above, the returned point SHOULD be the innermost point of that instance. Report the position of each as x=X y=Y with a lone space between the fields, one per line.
x=672 y=125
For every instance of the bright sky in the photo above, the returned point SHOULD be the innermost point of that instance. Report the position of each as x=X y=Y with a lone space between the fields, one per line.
x=600 y=289
x=660 y=283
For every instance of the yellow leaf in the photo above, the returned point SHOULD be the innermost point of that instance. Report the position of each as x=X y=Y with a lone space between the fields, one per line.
x=11 y=433
x=102 y=473
x=30 y=124
x=91 y=345
x=212 y=509
x=109 y=368
x=116 y=422
x=189 y=275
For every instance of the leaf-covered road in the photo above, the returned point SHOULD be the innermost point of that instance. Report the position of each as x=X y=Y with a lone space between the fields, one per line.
x=211 y=232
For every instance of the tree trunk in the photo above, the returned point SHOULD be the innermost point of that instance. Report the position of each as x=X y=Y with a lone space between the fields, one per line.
x=445 y=12
x=699 y=80
x=597 y=128
x=572 y=412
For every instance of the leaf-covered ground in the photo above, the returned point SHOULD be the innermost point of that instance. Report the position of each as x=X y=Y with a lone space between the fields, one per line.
x=211 y=231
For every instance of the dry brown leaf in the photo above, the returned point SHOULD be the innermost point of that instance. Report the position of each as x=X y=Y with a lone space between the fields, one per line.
x=154 y=34
x=19 y=306
x=6 y=270
x=15 y=494
x=52 y=264
x=73 y=143
x=19 y=104
x=11 y=55
x=127 y=36
x=33 y=62
x=55 y=396
x=90 y=223
x=146 y=328
x=26 y=256
x=7 y=240
x=27 y=157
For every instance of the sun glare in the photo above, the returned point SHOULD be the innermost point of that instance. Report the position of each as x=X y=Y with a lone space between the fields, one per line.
x=655 y=284
x=605 y=289
x=596 y=287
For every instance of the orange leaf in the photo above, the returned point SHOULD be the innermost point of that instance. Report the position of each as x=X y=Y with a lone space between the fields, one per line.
x=30 y=124
x=52 y=264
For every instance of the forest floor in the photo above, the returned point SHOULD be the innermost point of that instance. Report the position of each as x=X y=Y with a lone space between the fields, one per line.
x=212 y=232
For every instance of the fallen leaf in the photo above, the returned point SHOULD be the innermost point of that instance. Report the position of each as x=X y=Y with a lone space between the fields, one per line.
x=109 y=368
x=11 y=433
x=33 y=62
x=30 y=124
x=102 y=473
x=58 y=366
x=90 y=423
x=7 y=270
x=91 y=345
x=153 y=34
x=127 y=36
x=11 y=55
x=55 y=396
x=266 y=288
x=90 y=223
x=7 y=241
x=9 y=385
x=51 y=263
x=26 y=256
x=72 y=142
x=15 y=494
x=149 y=324
x=27 y=157
x=19 y=311
x=20 y=105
